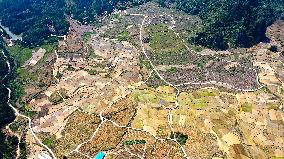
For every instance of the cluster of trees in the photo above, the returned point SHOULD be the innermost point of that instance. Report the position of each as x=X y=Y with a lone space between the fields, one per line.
x=87 y=10
x=8 y=143
x=134 y=142
x=6 y=113
x=36 y=20
x=231 y=23
x=180 y=137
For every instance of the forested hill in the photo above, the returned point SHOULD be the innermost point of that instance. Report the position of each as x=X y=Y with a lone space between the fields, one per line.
x=88 y=10
x=227 y=23
x=232 y=23
x=36 y=19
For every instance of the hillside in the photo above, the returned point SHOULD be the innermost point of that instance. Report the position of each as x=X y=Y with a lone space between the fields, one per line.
x=228 y=23
x=135 y=79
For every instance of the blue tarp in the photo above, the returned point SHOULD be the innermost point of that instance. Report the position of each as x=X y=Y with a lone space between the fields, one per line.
x=100 y=155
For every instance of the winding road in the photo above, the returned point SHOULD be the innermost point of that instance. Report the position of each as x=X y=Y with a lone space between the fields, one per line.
x=17 y=112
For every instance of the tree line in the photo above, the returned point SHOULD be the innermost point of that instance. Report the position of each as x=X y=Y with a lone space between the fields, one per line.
x=226 y=23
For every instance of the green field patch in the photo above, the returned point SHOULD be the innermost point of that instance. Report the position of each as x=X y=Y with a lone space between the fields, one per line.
x=163 y=39
x=123 y=36
x=50 y=141
x=246 y=107
x=19 y=53
x=204 y=93
x=90 y=54
x=25 y=76
x=87 y=35
x=145 y=96
x=27 y=111
x=134 y=142
x=194 y=101
x=22 y=54
x=144 y=63
x=199 y=103
x=172 y=70
x=151 y=96
x=91 y=71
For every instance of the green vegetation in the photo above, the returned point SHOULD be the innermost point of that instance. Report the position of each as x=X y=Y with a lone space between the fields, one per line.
x=23 y=149
x=18 y=124
x=25 y=76
x=203 y=93
x=265 y=89
x=91 y=54
x=196 y=100
x=134 y=142
x=144 y=62
x=55 y=98
x=232 y=23
x=49 y=48
x=87 y=35
x=153 y=96
x=196 y=48
x=14 y=126
x=145 y=96
x=123 y=36
x=8 y=142
x=18 y=89
x=26 y=110
x=163 y=39
x=116 y=16
x=181 y=138
x=246 y=107
x=87 y=11
x=19 y=53
x=92 y=72
x=199 y=103
x=8 y=145
x=50 y=141
x=21 y=75
x=36 y=20
x=200 y=64
x=172 y=70
x=166 y=58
